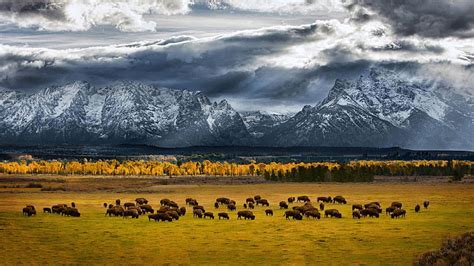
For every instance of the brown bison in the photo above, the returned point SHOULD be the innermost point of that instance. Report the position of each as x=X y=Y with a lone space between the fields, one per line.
x=339 y=199
x=417 y=208
x=105 y=204
x=147 y=208
x=389 y=210
x=324 y=199
x=137 y=208
x=160 y=217
x=357 y=207
x=197 y=213
x=245 y=205
x=356 y=214
x=128 y=205
x=115 y=211
x=223 y=215
x=223 y=201
x=209 y=214
x=164 y=202
x=257 y=197
x=291 y=199
x=398 y=213
x=193 y=203
x=313 y=214
x=375 y=207
x=321 y=206
x=251 y=206
x=199 y=208
x=375 y=202
x=29 y=211
x=216 y=205
x=294 y=214
x=262 y=202
x=370 y=212
x=173 y=214
x=46 y=210
x=71 y=211
x=141 y=201
x=117 y=202
x=396 y=204
x=182 y=211
x=131 y=213
x=231 y=207
x=247 y=215
x=332 y=213
x=248 y=200
x=303 y=199
x=269 y=212
x=283 y=205
x=426 y=204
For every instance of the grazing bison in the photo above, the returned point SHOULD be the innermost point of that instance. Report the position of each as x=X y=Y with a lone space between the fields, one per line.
x=172 y=204
x=173 y=214
x=389 y=210
x=223 y=215
x=375 y=207
x=356 y=214
x=268 y=212
x=182 y=211
x=375 y=202
x=46 y=210
x=73 y=204
x=251 y=206
x=216 y=205
x=245 y=205
x=138 y=209
x=223 y=201
x=209 y=214
x=303 y=199
x=294 y=214
x=291 y=199
x=199 y=208
x=105 y=205
x=248 y=200
x=396 y=204
x=262 y=202
x=324 y=199
x=29 y=211
x=147 y=208
x=197 y=213
x=370 y=212
x=71 y=211
x=165 y=202
x=192 y=202
x=332 y=213
x=247 y=215
x=398 y=213
x=141 y=201
x=426 y=204
x=131 y=213
x=357 y=207
x=115 y=211
x=340 y=199
x=127 y=205
x=417 y=208
x=117 y=202
x=313 y=214
x=111 y=206
x=283 y=205
x=257 y=197
x=160 y=217
x=231 y=207
x=321 y=206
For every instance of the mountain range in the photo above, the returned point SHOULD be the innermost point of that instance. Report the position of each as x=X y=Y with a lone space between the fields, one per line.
x=379 y=109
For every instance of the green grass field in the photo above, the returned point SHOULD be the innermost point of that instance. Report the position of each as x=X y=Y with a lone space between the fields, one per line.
x=96 y=239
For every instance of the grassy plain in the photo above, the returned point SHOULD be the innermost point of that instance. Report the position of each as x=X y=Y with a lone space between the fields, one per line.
x=96 y=239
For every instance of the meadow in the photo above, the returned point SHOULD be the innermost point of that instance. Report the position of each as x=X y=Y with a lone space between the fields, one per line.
x=96 y=239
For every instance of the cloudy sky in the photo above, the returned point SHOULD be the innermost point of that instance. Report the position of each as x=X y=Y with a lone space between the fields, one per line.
x=276 y=55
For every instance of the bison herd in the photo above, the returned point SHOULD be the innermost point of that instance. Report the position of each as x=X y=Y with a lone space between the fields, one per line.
x=169 y=210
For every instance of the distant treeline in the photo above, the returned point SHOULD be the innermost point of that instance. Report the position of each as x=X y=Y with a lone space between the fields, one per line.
x=355 y=171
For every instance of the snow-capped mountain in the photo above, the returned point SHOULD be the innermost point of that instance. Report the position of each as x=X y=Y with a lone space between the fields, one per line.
x=128 y=112
x=382 y=109
x=259 y=123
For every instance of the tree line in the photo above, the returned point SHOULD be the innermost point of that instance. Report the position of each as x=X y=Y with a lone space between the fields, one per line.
x=354 y=171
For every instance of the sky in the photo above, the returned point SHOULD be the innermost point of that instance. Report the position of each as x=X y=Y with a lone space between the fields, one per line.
x=272 y=55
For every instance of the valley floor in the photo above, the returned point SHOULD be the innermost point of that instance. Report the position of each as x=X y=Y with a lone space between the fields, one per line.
x=94 y=238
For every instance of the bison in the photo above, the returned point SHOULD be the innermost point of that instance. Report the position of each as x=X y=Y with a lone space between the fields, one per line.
x=262 y=202
x=197 y=213
x=128 y=205
x=147 y=208
x=291 y=199
x=303 y=199
x=223 y=215
x=340 y=199
x=356 y=214
x=47 y=210
x=398 y=213
x=389 y=210
x=268 y=212
x=160 y=217
x=283 y=205
x=426 y=204
x=396 y=204
x=357 y=207
x=247 y=215
x=141 y=201
x=248 y=200
x=216 y=205
x=324 y=199
x=173 y=214
x=132 y=213
x=117 y=202
x=296 y=215
x=182 y=211
x=332 y=213
x=257 y=197
x=209 y=214
x=417 y=208
x=370 y=212
x=29 y=211
x=199 y=208
x=245 y=205
x=105 y=205
x=313 y=214
x=251 y=206
x=223 y=201
x=164 y=202
x=321 y=206
x=231 y=207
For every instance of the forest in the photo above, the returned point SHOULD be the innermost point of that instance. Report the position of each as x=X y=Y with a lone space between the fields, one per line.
x=354 y=171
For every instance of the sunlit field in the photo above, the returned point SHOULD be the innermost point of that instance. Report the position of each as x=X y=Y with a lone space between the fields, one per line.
x=95 y=238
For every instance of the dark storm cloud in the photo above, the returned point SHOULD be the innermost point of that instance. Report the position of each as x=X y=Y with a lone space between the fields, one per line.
x=428 y=18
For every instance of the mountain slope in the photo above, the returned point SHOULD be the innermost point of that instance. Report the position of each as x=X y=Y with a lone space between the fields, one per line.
x=128 y=112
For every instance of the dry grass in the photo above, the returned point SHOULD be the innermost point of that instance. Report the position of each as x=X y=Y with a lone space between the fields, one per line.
x=93 y=238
